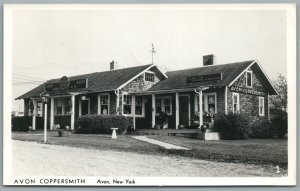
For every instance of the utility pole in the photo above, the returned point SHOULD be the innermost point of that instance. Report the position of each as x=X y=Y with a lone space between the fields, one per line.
x=152 y=52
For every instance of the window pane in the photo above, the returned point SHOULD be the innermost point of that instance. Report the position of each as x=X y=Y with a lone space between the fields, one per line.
x=59 y=110
x=139 y=100
x=127 y=109
x=139 y=110
x=249 y=78
x=149 y=77
x=211 y=99
x=168 y=109
x=104 y=109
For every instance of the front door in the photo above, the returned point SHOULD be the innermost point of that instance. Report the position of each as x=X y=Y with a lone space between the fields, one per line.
x=85 y=107
x=184 y=110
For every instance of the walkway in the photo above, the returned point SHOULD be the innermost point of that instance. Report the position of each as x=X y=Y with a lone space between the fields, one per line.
x=159 y=143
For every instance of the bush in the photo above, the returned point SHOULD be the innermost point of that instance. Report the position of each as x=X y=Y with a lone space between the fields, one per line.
x=279 y=123
x=261 y=129
x=101 y=124
x=22 y=123
x=233 y=127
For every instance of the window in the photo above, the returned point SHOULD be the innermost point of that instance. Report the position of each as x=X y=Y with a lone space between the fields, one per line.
x=209 y=102
x=103 y=104
x=127 y=103
x=149 y=77
x=261 y=106
x=139 y=105
x=163 y=104
x=236 y=102
x=249 y=78
x=63 y=106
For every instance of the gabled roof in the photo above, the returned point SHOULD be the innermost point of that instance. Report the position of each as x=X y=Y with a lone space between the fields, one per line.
x=230 y=72
x=177 y=79
x=98 y=81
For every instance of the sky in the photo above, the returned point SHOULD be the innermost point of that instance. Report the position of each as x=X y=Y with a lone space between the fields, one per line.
x=52 y=43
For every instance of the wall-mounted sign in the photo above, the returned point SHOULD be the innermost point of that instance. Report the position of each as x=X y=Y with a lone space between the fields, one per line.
x=247 y=91
x=204 y=78
x=66 y=84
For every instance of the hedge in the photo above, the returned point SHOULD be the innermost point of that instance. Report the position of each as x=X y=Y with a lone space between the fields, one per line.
x=233 y=127
x=101 y=124
x=236 y=126
x=22 y=123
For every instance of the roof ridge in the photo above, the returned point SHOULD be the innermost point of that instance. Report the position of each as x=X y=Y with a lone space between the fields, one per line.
x=100 y=72
x=250 y=61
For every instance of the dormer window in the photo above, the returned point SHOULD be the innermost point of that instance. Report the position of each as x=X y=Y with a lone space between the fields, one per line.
x=149 y=77
x=249 y=78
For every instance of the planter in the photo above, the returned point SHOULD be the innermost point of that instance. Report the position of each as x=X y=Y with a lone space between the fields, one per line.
x=63 y=133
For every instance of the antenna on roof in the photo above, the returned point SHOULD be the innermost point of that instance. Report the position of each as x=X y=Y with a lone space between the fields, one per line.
x=152 y=52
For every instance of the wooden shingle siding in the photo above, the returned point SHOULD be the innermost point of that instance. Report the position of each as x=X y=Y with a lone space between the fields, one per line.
x=249 y=104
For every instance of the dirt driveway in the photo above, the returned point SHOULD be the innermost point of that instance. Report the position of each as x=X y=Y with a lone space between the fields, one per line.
x=34 y=159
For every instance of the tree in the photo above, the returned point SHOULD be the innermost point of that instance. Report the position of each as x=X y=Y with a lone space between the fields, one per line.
x=279 y=102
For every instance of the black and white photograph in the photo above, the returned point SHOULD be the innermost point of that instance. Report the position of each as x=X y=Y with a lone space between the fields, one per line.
x=149 y=94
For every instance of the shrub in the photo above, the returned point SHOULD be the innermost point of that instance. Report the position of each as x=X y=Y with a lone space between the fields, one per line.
x=261 y=128
x=101 y=123
x=279 y=123
x=22 y=123
x=233 y=126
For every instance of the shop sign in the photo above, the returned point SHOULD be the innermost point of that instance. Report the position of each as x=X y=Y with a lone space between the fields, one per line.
x=204 y=78
x=66 y=84
x=247 y=91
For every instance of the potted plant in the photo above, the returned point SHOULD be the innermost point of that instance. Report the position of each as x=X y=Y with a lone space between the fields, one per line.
x=64 y=132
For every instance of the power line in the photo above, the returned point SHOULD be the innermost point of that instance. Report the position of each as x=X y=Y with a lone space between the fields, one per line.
x=24 y=76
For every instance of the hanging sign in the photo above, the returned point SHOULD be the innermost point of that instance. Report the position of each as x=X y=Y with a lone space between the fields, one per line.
x=204 y=78
x=247 y=91
x=66 y=84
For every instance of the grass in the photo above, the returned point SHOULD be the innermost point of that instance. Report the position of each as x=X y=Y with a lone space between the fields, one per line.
x=254 y=151
x=262 y=151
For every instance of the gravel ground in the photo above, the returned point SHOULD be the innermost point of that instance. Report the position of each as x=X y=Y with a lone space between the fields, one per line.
x=35 y=159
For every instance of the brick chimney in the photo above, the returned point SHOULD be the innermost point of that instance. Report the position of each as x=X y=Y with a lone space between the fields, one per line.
x=208 y=60
x=113 y=65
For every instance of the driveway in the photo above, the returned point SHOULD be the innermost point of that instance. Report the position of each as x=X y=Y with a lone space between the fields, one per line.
x=35 y=159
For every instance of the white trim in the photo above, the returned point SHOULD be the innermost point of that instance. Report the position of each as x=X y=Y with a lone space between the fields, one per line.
x=263 y=106
x=99 y=103
x=177 y=109
x=226 y=101
x=268 y=107
x=34 y=113
x=241 y=73
x=73 y=112
x=238 y=102
x=133 y=110
x=153 y=110
x=249 y=71
x=266 y=75
x=151 y=66
x=52 y=113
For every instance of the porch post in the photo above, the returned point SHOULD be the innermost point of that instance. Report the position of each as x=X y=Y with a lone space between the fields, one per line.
x=117 y=92
x=177 y=109
x=268 y=107
x=52 y=113
x=34 y=114
x=200 y=109
x=153 y=110
x=73 y=112
x=45 y=123
x=133 y=110
x=226 y=104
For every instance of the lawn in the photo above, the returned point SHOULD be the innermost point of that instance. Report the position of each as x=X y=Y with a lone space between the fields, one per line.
x=259 y=151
